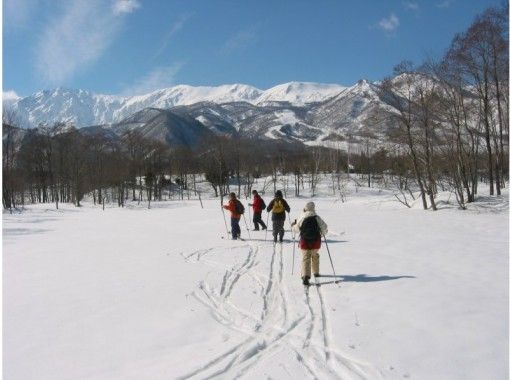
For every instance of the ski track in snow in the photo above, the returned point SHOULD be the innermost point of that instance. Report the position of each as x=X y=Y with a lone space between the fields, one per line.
x=303 y=330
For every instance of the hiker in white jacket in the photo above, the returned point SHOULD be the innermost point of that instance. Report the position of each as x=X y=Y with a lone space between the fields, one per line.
x=311 y=228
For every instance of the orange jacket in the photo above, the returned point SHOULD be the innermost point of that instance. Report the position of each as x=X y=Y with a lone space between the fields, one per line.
x=232 y=208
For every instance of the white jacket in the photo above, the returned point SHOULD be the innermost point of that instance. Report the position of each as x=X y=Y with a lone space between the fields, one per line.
x=322 y=225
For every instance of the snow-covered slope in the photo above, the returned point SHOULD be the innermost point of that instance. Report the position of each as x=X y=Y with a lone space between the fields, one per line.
x=133 y=293
x=351 y=110
x=186 y=95
x=165 y=126
x=299 y=93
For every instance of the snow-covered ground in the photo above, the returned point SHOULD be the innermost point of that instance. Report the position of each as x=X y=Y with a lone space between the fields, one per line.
x=135 y=293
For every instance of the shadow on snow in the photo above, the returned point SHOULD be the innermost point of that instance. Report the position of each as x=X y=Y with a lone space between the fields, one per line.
x=364 y=278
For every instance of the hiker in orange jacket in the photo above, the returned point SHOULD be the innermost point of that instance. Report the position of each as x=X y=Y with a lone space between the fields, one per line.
x=236 y=209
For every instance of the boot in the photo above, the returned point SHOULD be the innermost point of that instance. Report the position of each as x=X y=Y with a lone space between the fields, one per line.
x=306 y=281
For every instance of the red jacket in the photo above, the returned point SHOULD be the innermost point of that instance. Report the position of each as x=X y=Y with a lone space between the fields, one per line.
x=257 y=203
x=232 y=208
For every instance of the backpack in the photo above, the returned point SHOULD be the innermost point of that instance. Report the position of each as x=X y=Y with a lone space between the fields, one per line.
x=310 y=230
x=262 y=204
x=239 y=207
x=278 y=206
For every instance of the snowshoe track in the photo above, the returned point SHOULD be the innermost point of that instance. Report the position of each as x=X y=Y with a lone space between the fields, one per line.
x=298 y=329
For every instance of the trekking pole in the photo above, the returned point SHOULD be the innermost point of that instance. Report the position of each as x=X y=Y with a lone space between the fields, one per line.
x=293 y=244
x=293 y=254
x=247 y=229
x=249 y=215
x=290 y=225
x=224 y=219
x=267 y=226
x=330 y=260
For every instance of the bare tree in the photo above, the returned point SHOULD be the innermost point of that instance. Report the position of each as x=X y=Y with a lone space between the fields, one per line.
x=400 y=93
x=481 y=55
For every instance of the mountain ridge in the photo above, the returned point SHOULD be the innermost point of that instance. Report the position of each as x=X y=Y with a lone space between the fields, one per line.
x=84 y=108
x=302 y=112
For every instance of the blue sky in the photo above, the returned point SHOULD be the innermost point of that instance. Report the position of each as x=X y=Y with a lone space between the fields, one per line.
x=135 y=46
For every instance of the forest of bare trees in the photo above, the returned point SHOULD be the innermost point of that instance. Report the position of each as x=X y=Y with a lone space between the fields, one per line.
x=452 y=115
x=449 y=131
x=56 y=165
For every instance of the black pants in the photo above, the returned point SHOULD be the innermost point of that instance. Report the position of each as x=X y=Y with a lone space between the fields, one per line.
x=278 y=228
x=257 y=219
x=236 y=230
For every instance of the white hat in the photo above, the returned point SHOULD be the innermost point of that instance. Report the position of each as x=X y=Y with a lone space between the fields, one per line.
x=310 y=206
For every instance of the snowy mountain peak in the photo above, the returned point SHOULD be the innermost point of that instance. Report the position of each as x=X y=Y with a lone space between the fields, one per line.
x=84 y=108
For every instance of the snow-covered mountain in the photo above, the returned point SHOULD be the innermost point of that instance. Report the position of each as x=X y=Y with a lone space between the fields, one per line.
x=79 y=107
x=351 y=112
x=84 y=108
x=310 y=113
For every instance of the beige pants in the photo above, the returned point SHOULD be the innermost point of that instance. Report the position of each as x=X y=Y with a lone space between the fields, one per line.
x=310 y=262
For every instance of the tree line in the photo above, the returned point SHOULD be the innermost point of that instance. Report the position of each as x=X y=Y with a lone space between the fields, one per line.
x=62 y=164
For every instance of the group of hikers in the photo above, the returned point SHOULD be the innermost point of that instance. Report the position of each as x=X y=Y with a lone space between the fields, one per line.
x=309 y=225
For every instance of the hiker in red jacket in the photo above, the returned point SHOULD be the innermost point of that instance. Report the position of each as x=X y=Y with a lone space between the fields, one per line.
x=258 y=205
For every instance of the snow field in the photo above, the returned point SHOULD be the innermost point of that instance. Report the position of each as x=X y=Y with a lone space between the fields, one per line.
x=134 y=293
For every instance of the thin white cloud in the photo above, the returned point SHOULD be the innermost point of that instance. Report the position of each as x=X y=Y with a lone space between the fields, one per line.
x=160 y=77
x=411 y=5
x=125 y=6
x=389 y=24
x=75 y=38
x=445 y=3
x=9 y=97
x=239 y=41
x=9 y=116
x=178 y=25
